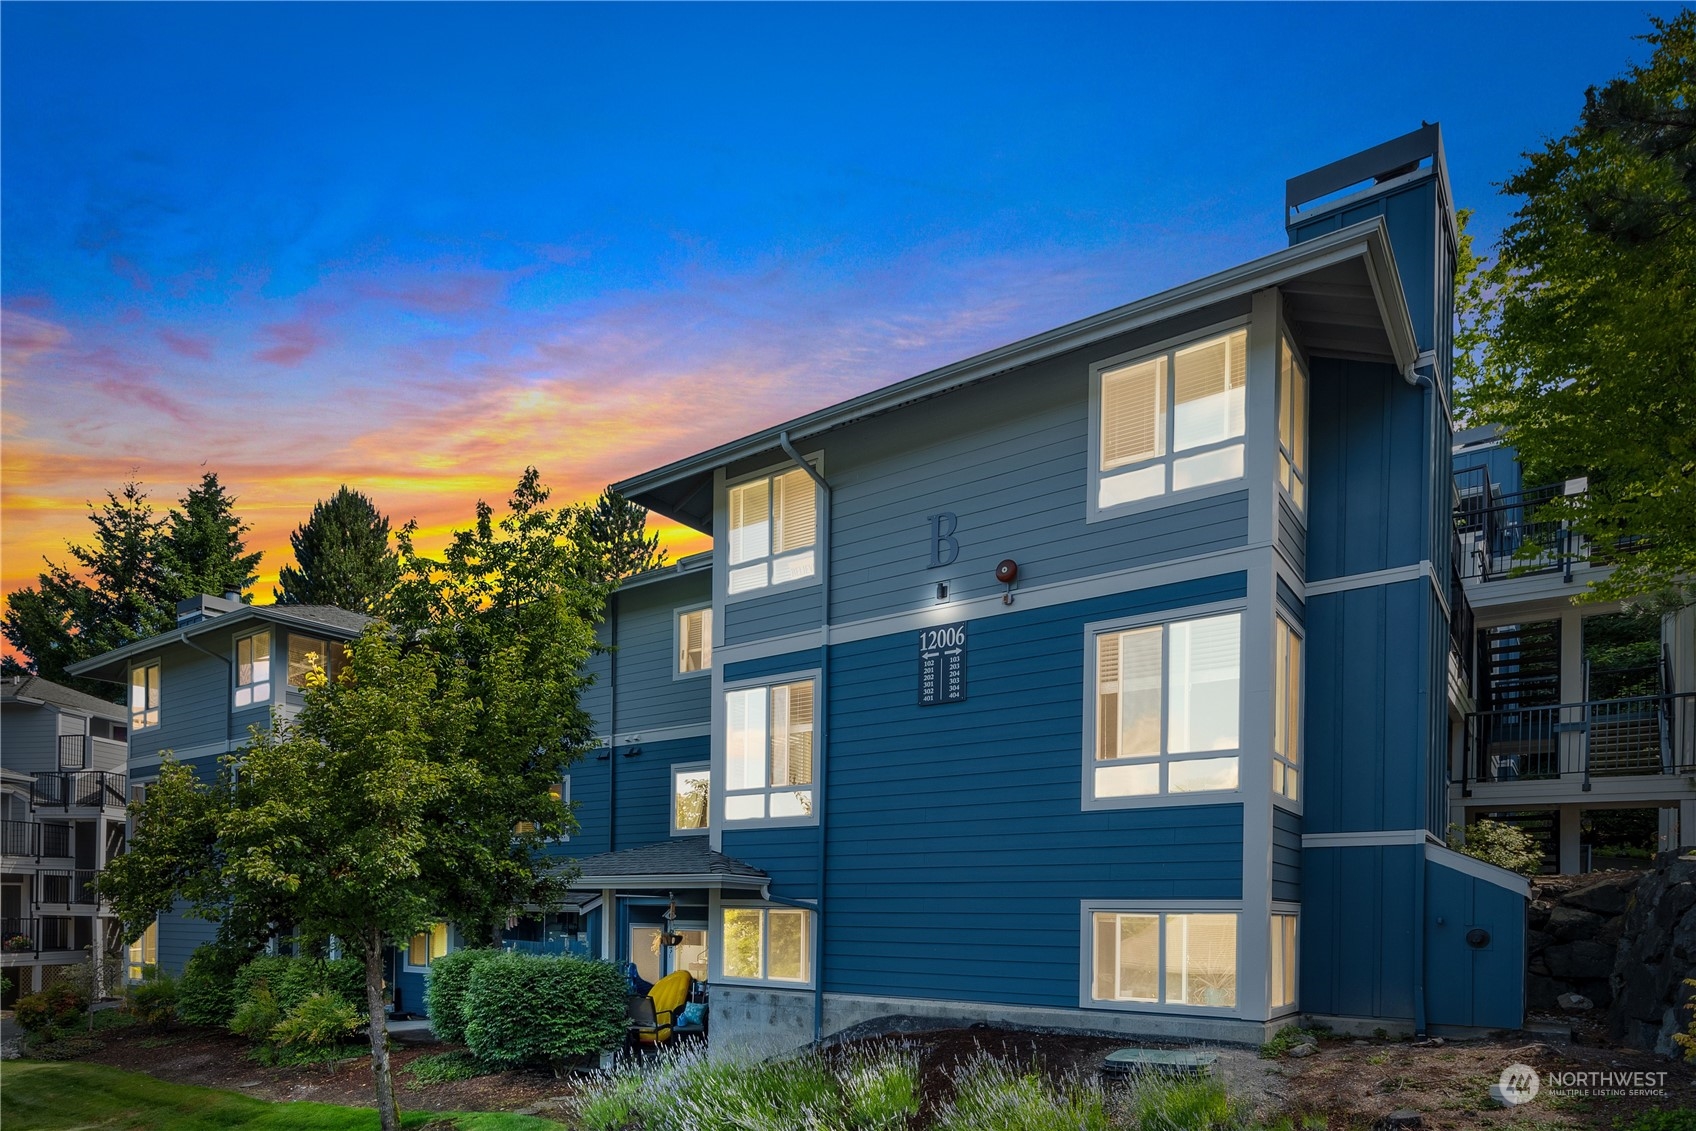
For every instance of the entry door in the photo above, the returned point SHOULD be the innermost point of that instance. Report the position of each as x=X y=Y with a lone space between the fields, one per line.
x=646 y=952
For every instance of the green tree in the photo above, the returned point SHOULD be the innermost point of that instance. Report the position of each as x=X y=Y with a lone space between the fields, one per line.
x=342 y=556
x=420 y=785
x=620 y=528
x=114 y=591
x=1499 y=843
x=205 y=550
x=1584 y=327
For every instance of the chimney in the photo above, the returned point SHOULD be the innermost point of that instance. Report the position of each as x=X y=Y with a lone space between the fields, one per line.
x=206 y=606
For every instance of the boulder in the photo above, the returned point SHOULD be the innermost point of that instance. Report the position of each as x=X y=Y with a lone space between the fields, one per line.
x=1608 y=895
x=1575 y=1003
x=1585 y=959
x=1567 y=924
x=1540 y=994
x=1537 y=912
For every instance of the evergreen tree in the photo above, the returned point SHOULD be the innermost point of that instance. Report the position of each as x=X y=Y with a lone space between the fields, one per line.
x=204 y=545
x=617 y=529
x=342 y=556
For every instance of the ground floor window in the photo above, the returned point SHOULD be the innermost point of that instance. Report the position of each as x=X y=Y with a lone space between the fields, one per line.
x=144 y=952
x=1164 y=958
x=427 y=945
x=1283 y=960
x=767 y=944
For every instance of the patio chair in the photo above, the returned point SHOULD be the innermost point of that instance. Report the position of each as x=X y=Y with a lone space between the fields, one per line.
x=653 y=1016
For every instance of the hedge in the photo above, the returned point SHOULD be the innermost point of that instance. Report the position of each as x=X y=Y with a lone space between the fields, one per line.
x=444 y=996
x=293 y=980
x=528 y=1008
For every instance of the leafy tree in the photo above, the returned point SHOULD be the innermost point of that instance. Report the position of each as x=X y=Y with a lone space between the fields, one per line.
x=204 y=549
x=1499 y=843
x=416 y=787
x=342 y=556
x=1584 y=323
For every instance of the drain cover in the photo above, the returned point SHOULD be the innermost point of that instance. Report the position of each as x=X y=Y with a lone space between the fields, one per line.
x=1171 y=1062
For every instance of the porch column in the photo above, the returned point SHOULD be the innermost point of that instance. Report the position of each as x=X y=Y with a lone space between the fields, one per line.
x=1569 y=838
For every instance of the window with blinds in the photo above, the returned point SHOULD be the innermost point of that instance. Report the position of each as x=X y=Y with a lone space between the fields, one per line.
x=769 y=752
x=1167 y=701
x=694 y=641
x=1292 y=424
x=1147 y=450
x=773 y=531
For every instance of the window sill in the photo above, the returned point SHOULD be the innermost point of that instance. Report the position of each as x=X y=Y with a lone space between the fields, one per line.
x=770 y=590
x=757 y=984
x=810 y=821
x=691 y=832
x=1166 y=800
x=702 y=673
x=1097 y=513
x=1170 y=1008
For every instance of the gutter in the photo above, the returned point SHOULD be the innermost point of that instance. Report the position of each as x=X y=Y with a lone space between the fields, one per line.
x=822 y=731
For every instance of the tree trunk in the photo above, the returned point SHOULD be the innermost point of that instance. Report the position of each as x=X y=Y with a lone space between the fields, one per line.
x=387 y=1111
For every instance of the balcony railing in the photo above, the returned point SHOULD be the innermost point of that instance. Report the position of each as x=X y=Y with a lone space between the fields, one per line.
x=70 y=886
x=1515 y=535
x=35 y=839
x=1462 y=625
x=84 y=789
x=1578 y=742
x=20 y=935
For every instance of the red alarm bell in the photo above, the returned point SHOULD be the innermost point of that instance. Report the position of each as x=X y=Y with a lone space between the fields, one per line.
x=1007 y=573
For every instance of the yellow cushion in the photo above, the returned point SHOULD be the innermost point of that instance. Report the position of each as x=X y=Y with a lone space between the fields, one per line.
x=671 y=991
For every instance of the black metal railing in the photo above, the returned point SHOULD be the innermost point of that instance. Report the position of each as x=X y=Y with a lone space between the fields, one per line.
x=84 y=789
x=73 y=752
x=1462 y=624
x=1640 y=735
x=66 y=886
x=20 y=838
x=1514 y=535
x=20 y=935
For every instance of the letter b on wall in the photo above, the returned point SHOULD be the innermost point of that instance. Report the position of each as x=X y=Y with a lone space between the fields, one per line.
x=944 y=547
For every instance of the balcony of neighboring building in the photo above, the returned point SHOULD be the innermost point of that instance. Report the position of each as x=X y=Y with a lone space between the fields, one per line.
x=74 y=791
x=26 y=843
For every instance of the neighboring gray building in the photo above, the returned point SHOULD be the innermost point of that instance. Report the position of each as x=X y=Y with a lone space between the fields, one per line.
x=62 y=798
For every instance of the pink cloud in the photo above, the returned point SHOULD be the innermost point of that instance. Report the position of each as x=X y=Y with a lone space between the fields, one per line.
x=24 y=337
x=293 y=342
x=188 y=345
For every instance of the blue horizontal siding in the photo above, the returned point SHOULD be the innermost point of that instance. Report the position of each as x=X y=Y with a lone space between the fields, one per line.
x=790 y=856
x=771 y=665
x=1286 y=855
x=1292 y=605
x=644 y=795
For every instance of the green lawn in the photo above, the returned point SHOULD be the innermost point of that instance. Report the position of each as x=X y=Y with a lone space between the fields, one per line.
x=86 y=1097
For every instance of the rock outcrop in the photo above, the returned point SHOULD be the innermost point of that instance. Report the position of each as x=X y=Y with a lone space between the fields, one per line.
x=1575 y=926
x=1656 y=952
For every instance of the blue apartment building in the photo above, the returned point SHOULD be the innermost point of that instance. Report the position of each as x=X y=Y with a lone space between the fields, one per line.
x=1115 y=679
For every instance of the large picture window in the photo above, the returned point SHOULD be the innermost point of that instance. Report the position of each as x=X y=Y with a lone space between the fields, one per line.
x=1171 y=421
x=253 y=669
x=144 y=696
x=773 y=530
x=767 y=944
x=1286 y=721
x=769 y=752
x=1164 y=958
x=1292 y=423
x=1166 y=708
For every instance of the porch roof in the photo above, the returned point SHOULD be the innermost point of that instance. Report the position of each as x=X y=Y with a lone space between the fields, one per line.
x=680 y=862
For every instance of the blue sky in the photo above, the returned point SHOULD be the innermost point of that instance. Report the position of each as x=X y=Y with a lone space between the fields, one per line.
x=416 y=247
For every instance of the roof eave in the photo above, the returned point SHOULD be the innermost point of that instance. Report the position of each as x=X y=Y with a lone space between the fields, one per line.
x=713 y=880
x=94 y=665
x=1368 y=240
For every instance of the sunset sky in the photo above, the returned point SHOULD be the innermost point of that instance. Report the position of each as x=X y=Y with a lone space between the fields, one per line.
x=415 y=248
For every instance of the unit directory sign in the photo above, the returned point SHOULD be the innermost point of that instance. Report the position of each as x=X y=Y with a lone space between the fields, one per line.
x=942 y=665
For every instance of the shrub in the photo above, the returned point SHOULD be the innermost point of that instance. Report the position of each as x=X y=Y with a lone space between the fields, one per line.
x=257 y=1015
x=1165 y=1104
x=1496 y=842
x=444 y=1000
x=322 y=1021
x=1286 y=1039
x=525 y=1008
x=442 y=1067
x=992 y=1096
x=293 y=980
x=56 y=1005
x=206 y=991
x=153 y=1000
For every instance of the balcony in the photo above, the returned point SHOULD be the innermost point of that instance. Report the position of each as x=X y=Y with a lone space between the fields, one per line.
x=1517 y=535
x=20 y=936
x=81 y=789
x=35 y=839
x=1579 y=744
x=68 y=887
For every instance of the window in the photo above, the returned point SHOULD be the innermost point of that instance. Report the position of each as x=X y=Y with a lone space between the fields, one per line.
x=773 y=529
x=1292 y=424
x=1147 y=450
x=138 y=792
x=769 y=752
x=690 y=789
x=253 y=669
x=560 y=792
x=1282 y=960
x=694 y=641
x=144 y=696
x=1165 y=709
x=1164 y=958
x=1286 y=723
x=144 y=952
x=427 y=946
x=767 y=944
x=306 y=652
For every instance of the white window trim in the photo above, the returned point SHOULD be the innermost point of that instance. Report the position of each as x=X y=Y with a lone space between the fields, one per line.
x=817 y=461
x=1279 y=798
x=1094 y=512
x=677 y=616
x=406 y=950
x=1289 y=339
x=1091 y=679
x=721 y=789
x=1086 y=955
x=136 y=727
x=270 y=667
x=715 y=944
x=698 y=768
x=1276 y=1011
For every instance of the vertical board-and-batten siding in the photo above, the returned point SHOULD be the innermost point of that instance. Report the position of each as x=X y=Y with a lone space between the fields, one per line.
x=1357 y=930
x=959 y=852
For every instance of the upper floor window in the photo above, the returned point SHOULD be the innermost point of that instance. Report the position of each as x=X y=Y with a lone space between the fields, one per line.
x=1166 y=708
x=690 y=789
x=769 y=752
x=694 y=641
x=305 y=652
x=144 y=695
x=1163 y=958
x=1171 y=421
x=1292 y=423
x=773 y=529
x=253 y=669
x=1286 y=712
